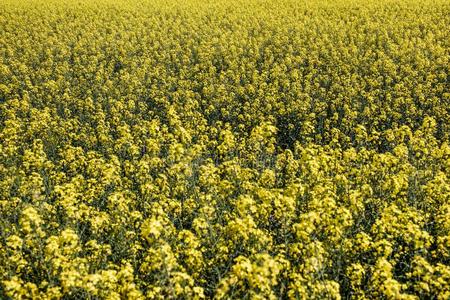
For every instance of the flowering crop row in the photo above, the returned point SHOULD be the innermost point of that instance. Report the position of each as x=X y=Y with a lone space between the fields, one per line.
x=260 y=149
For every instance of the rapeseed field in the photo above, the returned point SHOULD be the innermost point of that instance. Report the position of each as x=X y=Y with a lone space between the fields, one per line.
x=226 y=149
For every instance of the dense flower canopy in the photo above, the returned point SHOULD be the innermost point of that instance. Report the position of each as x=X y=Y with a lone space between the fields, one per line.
x=228 y=149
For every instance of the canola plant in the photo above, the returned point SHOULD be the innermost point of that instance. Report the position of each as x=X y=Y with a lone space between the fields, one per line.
x=226 y=149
